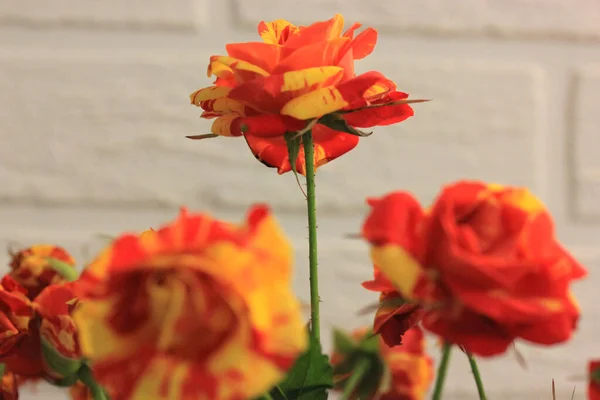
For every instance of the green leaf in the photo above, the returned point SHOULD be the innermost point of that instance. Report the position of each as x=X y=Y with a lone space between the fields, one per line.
x=86 y=376
x=67 y=271
x=63 y=366
x=293 y=142
x=370 y=343
x=336 y=122
x=595 y=375
x=309 y=379
x=342 y=342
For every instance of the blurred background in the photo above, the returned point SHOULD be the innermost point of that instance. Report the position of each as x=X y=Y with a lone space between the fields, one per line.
x=94 y=108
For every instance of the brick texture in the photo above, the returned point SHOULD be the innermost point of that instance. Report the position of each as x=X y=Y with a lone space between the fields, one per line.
x=574 y=20
x=585 y=144
x=114 y=135
x=131 y=14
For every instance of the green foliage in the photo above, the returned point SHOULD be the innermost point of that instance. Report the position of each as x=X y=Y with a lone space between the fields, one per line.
x=293 y=142
x=336 y=122
x=309 y=379
x=360 y=357
x=63 y=366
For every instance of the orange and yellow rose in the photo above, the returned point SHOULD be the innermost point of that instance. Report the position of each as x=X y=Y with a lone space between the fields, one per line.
x=58 y=332
x=403 y=372
x=483 y=264
x=30 y=268
x=200 y=308
x=295 y=75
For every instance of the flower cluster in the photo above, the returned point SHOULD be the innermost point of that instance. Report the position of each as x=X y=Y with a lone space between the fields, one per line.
x=203 y=308
x=200 y=308
x=38 y=337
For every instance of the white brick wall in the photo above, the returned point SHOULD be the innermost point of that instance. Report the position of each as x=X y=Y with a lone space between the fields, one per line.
x=94 y=109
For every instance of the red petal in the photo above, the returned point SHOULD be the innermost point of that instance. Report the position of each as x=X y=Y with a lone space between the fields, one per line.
x=268 y=125
x=393 y=326
x=381 y=116
x=317 y=32
x=395 y=219
x=350 y=32
x=364 y=43
x=266 y=56
x=52 y=301
x=313 y=55
x=329 y=145
x=269 y=94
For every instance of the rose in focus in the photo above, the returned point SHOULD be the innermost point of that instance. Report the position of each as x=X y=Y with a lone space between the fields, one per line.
x=200 y=308
x=482 y=265
x=296 y=77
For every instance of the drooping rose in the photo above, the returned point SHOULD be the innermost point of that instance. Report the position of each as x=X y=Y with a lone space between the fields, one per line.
x=483 y=263
x=58 y=333
x=296 y=75
x=200 y=308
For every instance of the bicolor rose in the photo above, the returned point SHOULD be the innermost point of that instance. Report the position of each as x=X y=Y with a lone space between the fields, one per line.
x=299 y=74
x=30 y=268
x=58 y=333
x=483 y=264
x=19 y=334
x=199 y=308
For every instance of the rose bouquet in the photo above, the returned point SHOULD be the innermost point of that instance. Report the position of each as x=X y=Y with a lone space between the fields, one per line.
x=202 y=309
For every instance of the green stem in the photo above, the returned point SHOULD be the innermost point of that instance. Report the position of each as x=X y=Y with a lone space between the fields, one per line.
x=67 y=271
x=441 y=372
x=85 y=375
x=477 y=376
x=356 y=377
x=267 y=396
x=309 y=158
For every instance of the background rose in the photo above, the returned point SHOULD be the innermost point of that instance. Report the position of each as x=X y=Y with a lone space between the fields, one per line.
x=30 y=268
x=58 y=333
x=198 y=308
x=19 y=336
x=483 y=262
x=402 y=372
x=265 y=89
